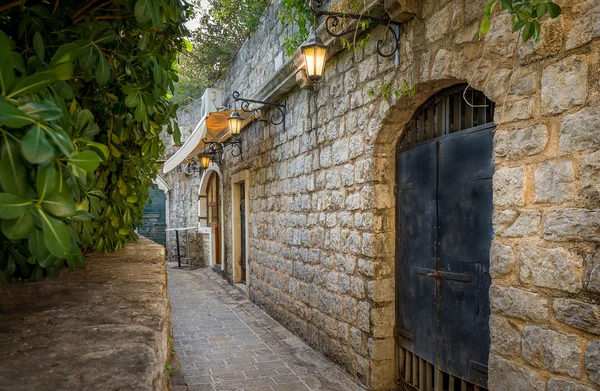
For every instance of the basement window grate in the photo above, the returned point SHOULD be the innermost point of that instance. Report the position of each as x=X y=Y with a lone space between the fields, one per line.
x=421 y=375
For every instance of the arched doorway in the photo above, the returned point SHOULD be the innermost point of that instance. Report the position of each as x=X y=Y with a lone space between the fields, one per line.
x=444 y=168
x=213 y=197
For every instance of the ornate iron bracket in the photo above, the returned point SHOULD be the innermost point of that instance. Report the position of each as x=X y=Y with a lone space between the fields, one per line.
x=276 y=118
x=333 y=20
x=216 y=148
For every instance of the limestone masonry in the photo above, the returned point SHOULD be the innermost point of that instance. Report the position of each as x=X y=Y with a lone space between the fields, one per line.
x=321 y=214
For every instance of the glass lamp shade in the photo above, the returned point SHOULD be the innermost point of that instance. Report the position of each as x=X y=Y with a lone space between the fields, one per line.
x=205 y=161
x=314 y=52
x=235 y=123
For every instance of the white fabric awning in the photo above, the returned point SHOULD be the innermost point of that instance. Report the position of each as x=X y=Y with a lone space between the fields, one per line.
x=188 y=147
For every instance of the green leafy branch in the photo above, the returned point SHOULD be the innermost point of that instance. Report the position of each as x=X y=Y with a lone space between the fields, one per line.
x=526 y=15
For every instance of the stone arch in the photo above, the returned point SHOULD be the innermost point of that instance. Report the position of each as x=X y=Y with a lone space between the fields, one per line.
x=391 y=127
x=203 y=227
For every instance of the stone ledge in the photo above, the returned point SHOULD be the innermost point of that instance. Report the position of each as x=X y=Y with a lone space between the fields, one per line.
x=105 y=327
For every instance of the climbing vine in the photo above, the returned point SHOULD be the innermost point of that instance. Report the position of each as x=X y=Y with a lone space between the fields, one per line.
x=83 y=100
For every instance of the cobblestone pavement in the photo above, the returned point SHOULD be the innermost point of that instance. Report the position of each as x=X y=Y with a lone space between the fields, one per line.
x=225 y=342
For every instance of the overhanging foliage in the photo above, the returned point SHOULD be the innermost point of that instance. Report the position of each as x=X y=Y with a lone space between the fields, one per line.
x=83 y=89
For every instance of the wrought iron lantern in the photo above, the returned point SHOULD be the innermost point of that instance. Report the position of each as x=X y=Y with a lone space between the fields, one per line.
x=314 y=52
x=235 y=123
x=205 y=161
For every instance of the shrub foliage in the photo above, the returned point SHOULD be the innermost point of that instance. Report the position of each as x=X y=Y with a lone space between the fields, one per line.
x=83 y=99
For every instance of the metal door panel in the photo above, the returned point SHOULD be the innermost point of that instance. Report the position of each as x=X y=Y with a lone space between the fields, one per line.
x=465 y=236
x=416 y=222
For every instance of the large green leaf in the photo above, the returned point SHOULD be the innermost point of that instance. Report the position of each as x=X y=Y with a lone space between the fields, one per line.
x=101 y=148
x=143 y=11
x=102 y=70
x=7 y=72
x=47 y=181
x=62 y=62
x=12 y=205
x=35 y=146
x=34 y=83
x=18 y=228
x=86 y=160
x=107 y=37
x=42 y=111
x=38 y=45
x=13 y=174
x=12 y=117
x=554 y=10
x=36 y=244
x=57 y=237
x=59 y=205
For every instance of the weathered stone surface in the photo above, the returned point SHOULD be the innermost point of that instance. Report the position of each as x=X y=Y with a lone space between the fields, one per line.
x=514 y=111
x=590 y=175
x=554 y=351
x=518 y=303
x=525 y=224
x=507 y=375
x=587 y=26
x=564 y=84
x=554 y=181
x=502 y=259
x=578 y=314
x=579 y=131
x=509 y=186
x=566 y=385
x=572 y=224
x=98 y=328
x=592 y=275
x=437 y=25
x=521 y=142
x=555 y=268
x=505 y=338
x=592 y=361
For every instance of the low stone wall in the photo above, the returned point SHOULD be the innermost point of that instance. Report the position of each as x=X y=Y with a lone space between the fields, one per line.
x=105 y=327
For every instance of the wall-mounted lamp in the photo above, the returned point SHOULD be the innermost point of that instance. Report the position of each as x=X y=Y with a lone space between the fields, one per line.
x=235 y=123
x=205 y=161
x=314 y=52
x=275 y=119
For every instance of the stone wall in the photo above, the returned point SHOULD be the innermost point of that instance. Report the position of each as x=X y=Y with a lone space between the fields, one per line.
x=105 y=327
x=322 y=228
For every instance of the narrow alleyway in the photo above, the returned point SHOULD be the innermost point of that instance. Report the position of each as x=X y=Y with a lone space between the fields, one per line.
x=225 y=342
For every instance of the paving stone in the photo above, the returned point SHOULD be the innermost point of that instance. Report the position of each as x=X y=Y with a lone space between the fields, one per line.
x=236 y=346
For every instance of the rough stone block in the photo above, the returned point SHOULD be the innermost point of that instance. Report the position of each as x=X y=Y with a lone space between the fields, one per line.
x=555 y=268
x=381 y=290
x=505 y=338
x=584 y=316
x=518 y=303
x=514 y=111
x=507 y=375
x=364 y=316
x=554 y=351
x=579 y=131
x=526 y=223
x=502 y=259
x=572 y=224
x=554 y=181
x=592 y=361
x=509 y=186
x=587 y=26
x=521 y=142
x=381 y=349
x=566 y=385
x=592 y=277
x=564 y=84
x=437 y=25
x=590 y=175
x=383 y=321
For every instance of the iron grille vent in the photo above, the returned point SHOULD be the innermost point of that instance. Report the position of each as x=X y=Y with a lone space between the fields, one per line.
x=421 y=375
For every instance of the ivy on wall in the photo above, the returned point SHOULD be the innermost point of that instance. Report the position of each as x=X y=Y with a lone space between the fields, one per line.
x=83 y=99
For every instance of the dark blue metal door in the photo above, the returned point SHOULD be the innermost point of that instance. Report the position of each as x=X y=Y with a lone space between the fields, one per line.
x=444 y=233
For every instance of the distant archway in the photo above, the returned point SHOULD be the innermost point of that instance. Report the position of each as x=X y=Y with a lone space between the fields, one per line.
x=211 y=212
